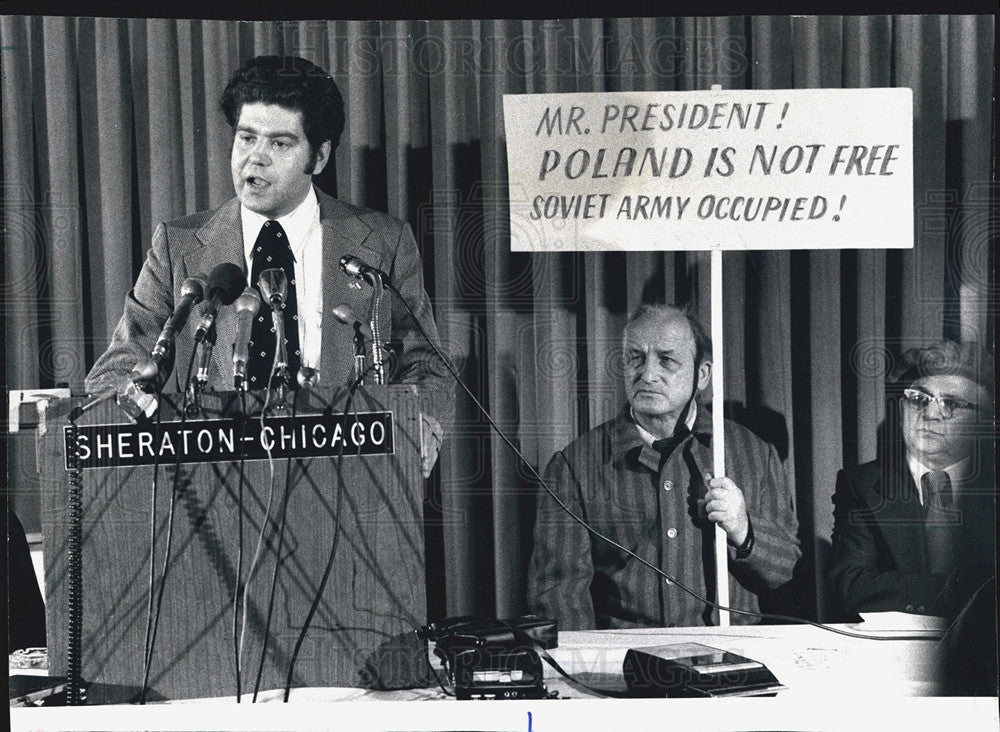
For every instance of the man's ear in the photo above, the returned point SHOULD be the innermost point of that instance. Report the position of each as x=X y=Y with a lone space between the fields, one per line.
x=704 y=375
x=322 y=158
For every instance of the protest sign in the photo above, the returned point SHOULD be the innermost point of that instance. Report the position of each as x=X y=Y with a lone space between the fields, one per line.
x=716 y=169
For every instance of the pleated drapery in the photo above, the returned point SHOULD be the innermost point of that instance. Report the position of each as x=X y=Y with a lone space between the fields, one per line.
x=112 y=125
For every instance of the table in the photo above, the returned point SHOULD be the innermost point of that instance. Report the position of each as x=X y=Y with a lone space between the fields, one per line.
x=832 y=681
x=811 y=662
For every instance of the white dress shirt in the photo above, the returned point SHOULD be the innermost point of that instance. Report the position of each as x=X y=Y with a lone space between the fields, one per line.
x=305 y=238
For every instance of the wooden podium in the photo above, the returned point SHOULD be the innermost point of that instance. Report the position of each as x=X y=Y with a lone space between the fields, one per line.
x=376 y=587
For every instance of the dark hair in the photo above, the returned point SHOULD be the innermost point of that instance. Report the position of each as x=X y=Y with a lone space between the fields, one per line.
x=294 y=83
x=702 y=341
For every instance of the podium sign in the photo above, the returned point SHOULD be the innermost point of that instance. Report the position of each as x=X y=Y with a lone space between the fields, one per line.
x=376 y=586
x=213 y=440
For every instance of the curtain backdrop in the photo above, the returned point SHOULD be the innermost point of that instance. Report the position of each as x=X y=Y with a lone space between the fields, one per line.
x=111 y=126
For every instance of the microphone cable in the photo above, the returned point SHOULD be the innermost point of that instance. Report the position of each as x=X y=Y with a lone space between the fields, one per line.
x=75 y=695
x=153 y=616
x=152 y=548
x=664 y=575
x=282 y=513
x=75 y=689
x=268 y=448
x=239 y=550
x=317 y=598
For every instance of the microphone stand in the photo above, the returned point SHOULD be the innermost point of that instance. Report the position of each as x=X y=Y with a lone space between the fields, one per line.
x=359 y=354
x=281 y=373
x=200 y=380
x=378 y=288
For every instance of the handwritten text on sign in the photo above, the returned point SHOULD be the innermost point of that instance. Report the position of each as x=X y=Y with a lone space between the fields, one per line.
x=729 y=169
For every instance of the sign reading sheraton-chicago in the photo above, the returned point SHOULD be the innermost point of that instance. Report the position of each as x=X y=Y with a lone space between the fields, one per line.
x=105 y=445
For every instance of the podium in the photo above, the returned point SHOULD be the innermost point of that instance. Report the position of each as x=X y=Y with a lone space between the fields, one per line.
x=366 y=509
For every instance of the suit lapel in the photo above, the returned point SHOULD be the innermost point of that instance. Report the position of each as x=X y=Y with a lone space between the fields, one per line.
x=900 y=515
x=222 y=241
x=344 y=232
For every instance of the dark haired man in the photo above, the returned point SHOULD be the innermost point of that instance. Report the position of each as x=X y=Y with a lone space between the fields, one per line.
x=914 y=530
x=287 y=116
x=644 y=480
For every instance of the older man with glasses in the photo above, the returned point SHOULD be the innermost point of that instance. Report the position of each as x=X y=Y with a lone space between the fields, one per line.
x=914 y=529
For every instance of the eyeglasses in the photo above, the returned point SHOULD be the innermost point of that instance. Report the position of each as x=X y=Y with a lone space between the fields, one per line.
x=920 y=400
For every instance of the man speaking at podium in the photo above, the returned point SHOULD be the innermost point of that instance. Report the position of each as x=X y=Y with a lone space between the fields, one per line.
x=287 y=116
x=644 y=480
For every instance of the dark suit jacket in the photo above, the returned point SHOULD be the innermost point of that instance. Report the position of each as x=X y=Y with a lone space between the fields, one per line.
x=880 y=559
x=197 y=243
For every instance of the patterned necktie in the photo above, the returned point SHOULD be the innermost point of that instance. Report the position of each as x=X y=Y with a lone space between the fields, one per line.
x=271 y=250
x=940 y=522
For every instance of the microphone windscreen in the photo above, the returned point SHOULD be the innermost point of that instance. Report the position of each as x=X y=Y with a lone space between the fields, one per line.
x=227 y=281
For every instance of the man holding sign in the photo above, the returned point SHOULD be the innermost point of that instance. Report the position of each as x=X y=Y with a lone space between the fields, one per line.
x=644 y=480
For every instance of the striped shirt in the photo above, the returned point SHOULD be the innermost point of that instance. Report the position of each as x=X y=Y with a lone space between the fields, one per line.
x=615 y=481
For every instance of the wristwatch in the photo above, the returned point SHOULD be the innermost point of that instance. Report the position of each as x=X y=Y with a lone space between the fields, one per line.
x=744 y=549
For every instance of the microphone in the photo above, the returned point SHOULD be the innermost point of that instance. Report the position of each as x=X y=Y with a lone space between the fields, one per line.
x=225 y=284
x=358 y=268
x=346 y=315
x=307 y=377
x=247 y=306
x=273 y=284
x=192 y=293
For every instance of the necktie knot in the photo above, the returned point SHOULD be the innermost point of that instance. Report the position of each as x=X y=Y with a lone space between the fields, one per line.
x=937 y=489
x=271 y=236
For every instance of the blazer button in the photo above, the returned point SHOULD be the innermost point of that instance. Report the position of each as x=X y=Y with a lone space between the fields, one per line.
x=921 y=609
x=672 y=533
x=909 y=608
x=668 y=485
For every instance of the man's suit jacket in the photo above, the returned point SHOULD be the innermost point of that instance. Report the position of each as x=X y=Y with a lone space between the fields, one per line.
x=196 y=244
x=880 y=559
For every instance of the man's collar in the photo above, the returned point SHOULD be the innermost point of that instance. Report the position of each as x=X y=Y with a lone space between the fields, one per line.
x=649 y=438
x=957 y=472
x=296 y=224
x=625 y=433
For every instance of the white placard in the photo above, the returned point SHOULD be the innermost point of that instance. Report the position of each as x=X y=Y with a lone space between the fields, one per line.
x=717 y=169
